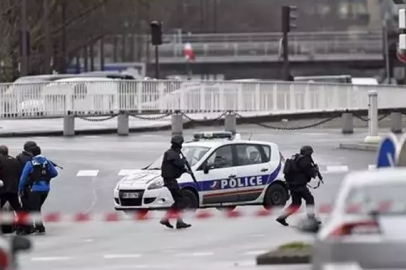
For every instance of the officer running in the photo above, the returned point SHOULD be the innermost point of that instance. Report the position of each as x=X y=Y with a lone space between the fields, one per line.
x=173 y=166
x=36 y=176
x=299 y=172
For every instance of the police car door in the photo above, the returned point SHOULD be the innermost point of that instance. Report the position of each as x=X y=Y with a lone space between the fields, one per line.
x=218 y=179
x=253 y=170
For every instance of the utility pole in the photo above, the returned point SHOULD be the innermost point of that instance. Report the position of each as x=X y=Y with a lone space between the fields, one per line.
x=47 y=38
x=24 y=39
x=287 y=24
x=64 y=56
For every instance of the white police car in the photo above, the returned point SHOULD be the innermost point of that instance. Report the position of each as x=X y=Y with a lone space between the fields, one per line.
x=229 y=171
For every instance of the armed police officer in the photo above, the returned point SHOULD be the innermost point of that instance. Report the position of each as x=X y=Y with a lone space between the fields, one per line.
x=36 y=177
x=173 y=166
x=299 y=170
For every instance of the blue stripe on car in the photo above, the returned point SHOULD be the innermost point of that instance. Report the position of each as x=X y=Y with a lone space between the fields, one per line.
x=216 y=184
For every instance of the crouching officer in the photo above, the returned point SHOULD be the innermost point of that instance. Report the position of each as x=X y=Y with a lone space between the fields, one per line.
x=299 y=172
x=173 y=166
x=37 y=175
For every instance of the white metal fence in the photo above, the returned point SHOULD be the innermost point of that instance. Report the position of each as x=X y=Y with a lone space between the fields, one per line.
x=55 y=99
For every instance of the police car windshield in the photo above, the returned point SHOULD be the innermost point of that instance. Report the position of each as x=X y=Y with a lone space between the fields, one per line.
x=193 y=155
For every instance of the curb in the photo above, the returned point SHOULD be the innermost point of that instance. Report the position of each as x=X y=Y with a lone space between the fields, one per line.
x=285 y=257
x=369 y=147
x=198 y=123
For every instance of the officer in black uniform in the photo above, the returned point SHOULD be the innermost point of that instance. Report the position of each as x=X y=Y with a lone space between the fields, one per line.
x=304 y=171
x=24 y=157
x=10 y=171
x=26 y=154
x=173 y=166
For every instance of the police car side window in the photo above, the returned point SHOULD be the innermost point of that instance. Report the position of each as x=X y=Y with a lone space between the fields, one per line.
x=267 y=152
x=249 y=154
x=221 y=158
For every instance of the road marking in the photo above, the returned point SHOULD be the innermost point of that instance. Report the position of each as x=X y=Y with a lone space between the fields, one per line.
x=92 y=136
x=127 y=172
x=49 y=259
x=258 y=235
x=87 y=173
x=121 y=256
x=336 y=169
x=255 y=252
x=196 y=254
x=88 y=240
x=201 y=254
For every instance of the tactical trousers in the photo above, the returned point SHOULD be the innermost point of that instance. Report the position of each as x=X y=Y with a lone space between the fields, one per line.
x=299 y=193
x=37 y=199
x=176 y=193
x=12 y=199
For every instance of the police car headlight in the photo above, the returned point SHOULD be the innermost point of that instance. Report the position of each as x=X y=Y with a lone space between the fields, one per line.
x=159 y=183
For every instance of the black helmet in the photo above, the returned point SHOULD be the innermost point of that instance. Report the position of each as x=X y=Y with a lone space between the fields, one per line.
x=29 y=145
x=306 y=150
x=177 y=140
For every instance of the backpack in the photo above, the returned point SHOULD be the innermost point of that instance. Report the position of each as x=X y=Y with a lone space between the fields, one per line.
x=40 y=172
x=290 y=168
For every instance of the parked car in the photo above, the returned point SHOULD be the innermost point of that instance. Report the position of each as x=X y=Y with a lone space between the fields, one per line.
x=367 y=224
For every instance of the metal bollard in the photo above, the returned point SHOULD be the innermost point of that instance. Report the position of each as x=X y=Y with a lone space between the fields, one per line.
x=348 y=123
x=123 y=126
x=69 y=125
x=396 y=122
x=177 y=124
x=230 y=123
x=373 y=118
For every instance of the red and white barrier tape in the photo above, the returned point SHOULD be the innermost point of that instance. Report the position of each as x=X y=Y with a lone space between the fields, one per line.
x=142 y=215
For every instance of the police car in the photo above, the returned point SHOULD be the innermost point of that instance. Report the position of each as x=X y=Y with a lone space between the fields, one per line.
x=229 y=172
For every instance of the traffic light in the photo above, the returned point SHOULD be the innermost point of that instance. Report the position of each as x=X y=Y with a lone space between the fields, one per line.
x=289 y=18
x=156 y=33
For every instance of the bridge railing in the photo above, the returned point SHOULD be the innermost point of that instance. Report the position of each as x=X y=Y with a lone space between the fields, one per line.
x=266 y=37
x=106 y=98
x=296 y=48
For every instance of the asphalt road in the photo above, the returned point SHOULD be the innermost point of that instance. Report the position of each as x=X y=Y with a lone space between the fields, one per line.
x=215 y=243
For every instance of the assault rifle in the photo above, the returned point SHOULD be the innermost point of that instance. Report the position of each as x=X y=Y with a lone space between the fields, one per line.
x=190 y=170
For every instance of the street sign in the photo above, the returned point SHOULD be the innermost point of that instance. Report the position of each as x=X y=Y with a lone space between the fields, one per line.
x=402 y=18
x=387 y=152
x=401 y=55
x=401 y=155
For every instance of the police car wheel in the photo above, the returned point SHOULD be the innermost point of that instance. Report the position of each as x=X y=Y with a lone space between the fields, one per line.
x=276 y=195
x=191 y=200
